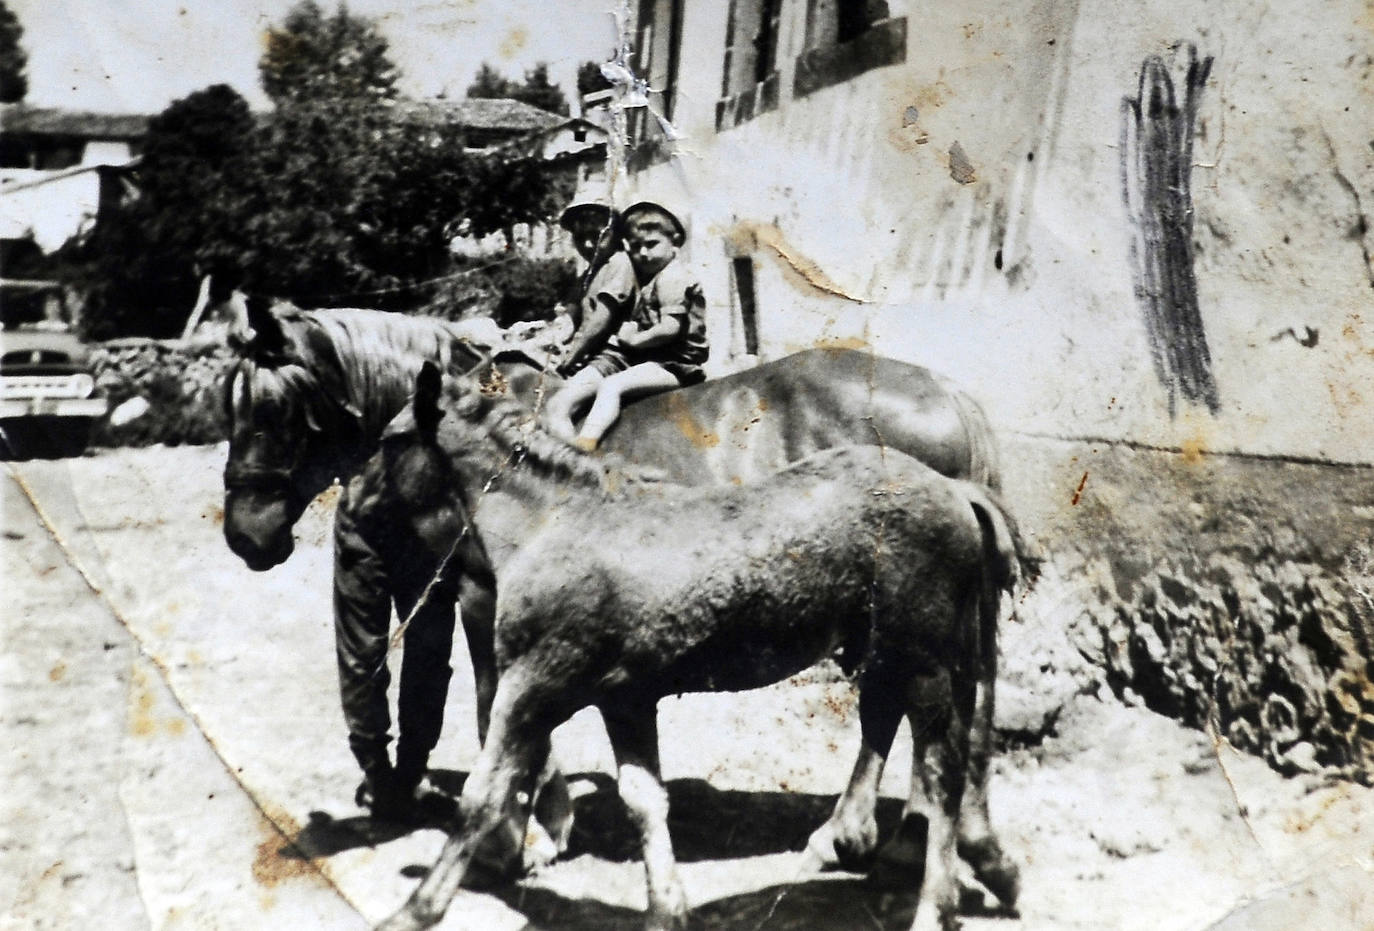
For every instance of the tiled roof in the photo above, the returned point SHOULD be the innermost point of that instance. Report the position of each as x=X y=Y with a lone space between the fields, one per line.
x=480 y=113
x=495 y=114
x=48 y=121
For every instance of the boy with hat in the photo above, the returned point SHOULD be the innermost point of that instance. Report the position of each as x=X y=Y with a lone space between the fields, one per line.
x=663 y=343
x=608 y=288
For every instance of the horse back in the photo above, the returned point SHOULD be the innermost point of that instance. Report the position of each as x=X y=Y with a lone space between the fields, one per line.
x=752 y=423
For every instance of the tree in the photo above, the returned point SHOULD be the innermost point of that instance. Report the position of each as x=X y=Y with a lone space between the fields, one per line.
x=142 y=264
x=536 y=90
x=490 y=84
x=313 y=56
x=590 y=80
x=539 y=91
x=14 y=81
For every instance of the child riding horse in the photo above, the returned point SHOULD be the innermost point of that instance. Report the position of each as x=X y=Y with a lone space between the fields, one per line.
x=616 y=591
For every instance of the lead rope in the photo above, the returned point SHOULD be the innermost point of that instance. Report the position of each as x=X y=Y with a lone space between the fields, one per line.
x=457 y=542
x=401 y=629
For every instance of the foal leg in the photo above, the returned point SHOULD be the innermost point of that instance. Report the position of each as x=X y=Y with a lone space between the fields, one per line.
x=634 y=737
x=552 y=827
x=978 y=845
x=850 y=836
x=489 y=802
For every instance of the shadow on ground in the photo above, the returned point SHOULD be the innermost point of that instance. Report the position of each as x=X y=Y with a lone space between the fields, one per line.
x=821 y=904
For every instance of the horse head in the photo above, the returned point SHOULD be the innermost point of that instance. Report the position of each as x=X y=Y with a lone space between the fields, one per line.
x=291 y=429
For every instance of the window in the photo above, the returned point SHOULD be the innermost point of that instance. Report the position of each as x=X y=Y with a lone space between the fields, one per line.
x=750 y=84
x=845 y=38
x=658 y=34
x=743 y=268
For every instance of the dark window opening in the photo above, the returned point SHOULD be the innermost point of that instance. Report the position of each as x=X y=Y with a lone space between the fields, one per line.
x=750 y=83
x=845 y=38
x=743 y=267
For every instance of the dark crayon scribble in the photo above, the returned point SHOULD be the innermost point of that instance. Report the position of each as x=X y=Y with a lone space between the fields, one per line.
x=1156 y=169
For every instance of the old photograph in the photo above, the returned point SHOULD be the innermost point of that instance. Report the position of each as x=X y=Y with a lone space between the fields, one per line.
x=687 y=464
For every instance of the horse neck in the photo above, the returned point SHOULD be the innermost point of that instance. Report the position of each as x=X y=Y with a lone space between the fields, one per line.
x=378 y=368
x=516 y=474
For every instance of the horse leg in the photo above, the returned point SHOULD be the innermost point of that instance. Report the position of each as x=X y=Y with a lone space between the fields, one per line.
x=489 y=801
x=634 y=737
x=940 y=735
x=978 y=845
x=850 y=835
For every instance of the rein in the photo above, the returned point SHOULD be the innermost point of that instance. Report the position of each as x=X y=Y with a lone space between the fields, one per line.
x=260 y=478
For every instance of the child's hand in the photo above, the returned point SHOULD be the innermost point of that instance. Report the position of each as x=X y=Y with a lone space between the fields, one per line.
x=628 y=334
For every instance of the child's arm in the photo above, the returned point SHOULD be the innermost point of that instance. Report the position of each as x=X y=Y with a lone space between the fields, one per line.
x=668 y=330
x=598 y=322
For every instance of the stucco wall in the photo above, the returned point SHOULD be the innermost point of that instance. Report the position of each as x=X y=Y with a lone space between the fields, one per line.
x=1018 y=282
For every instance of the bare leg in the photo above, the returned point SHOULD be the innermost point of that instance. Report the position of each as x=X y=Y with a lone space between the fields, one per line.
x=634 y=736
x=569 y=399
x=645 y=378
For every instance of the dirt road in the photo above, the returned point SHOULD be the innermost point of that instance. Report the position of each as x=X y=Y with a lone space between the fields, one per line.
x=179 y=761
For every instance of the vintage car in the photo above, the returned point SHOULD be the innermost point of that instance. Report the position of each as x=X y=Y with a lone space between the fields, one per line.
x=47 y=402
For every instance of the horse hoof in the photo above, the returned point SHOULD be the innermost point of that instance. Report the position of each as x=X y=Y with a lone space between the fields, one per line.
x=994 y=869
x=827 y=849
x=931 y=917
x=900 y=863
x=540 y=848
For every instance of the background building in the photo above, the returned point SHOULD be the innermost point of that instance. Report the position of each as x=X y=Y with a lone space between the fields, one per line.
x=1106 y=220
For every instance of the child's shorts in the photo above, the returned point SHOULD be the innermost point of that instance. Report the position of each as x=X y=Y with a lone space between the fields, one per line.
x=611 y=360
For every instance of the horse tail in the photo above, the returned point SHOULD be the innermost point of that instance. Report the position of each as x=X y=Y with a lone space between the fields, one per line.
x=999 y=571
x=984 y=466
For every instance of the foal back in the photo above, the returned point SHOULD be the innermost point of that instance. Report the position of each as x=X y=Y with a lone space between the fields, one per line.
x=725 y=589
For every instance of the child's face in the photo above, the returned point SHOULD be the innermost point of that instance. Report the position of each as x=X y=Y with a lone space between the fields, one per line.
x=590 y=238
x=650 y=249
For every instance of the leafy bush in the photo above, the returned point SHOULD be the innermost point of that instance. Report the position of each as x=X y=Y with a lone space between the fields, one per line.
x=510 y=290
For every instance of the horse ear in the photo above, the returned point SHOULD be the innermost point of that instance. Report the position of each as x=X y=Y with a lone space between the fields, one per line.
x=428 y=384
x=269 y=339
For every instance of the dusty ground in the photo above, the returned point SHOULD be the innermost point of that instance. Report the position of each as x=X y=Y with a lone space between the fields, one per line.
x=178 y=761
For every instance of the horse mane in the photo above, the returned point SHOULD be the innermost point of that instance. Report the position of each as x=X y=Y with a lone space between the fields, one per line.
x=365 y=360
x=527 y=444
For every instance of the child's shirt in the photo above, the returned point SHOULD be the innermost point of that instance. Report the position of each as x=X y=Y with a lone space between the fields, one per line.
x=613 y=284
x=673 y=292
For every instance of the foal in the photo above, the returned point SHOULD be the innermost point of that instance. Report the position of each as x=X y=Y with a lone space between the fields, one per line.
x=616 y=591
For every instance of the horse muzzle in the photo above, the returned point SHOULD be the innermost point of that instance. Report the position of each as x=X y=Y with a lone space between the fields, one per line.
x=260 y=544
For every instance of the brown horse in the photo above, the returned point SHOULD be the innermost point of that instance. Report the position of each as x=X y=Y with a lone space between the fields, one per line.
x=616 y=591
x=308 y=399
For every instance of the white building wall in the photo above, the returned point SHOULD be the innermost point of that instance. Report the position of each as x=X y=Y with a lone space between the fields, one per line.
x=48 y=206
x=1018 y=284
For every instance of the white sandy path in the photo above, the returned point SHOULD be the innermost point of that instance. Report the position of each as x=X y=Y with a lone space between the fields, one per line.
x=1125 y=821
